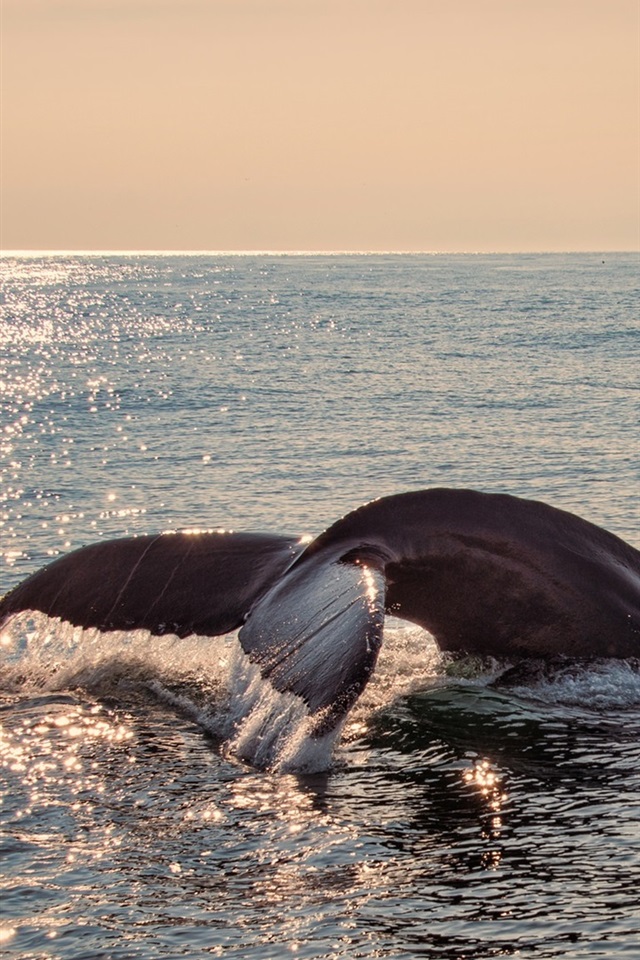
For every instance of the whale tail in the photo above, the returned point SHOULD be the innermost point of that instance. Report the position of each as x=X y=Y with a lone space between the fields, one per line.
x=314 y=633
x=484 y=573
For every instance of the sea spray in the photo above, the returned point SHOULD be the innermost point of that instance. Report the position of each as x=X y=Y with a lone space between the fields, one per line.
x=210 y=680
x=213 y=682
x=40 y=653
x=590 y=686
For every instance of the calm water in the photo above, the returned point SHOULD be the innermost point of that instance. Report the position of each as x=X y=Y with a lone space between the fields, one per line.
x=276 y=393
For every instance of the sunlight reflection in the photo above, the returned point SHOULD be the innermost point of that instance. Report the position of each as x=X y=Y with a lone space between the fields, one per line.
x=280 y=796
x=203 y=812
x=58 y=747
x=197 y=531
x=7 y=934
x=488 y=785
x=370 y=584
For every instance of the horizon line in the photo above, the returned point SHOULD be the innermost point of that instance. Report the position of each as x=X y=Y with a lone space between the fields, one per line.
x=290 y=253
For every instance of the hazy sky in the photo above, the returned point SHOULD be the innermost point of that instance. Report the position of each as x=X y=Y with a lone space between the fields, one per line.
x=321 y=124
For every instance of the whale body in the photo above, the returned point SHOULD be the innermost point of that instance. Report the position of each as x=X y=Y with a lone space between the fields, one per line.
x=491 y=574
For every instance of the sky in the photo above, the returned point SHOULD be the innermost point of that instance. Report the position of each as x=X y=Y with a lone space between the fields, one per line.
x=435 y=125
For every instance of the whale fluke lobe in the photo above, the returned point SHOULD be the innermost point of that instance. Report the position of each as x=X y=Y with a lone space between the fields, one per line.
x=317 y=633
x=181 y=583
x=485 y=573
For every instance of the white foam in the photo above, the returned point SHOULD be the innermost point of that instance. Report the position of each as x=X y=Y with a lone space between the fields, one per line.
x=212 y=681
x=40 y=653
x=600 y=685
x=208 y=679
x=254 y=721
x=409 y=660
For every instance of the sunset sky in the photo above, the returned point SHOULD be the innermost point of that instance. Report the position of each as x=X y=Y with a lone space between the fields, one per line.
x=472 y=125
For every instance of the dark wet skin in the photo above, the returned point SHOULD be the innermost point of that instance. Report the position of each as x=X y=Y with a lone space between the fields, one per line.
x=489 y=574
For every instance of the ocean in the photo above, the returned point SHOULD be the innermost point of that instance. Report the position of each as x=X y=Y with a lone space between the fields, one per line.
x=275 y=393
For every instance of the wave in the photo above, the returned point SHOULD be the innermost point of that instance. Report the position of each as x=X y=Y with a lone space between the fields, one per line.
x=212 y=681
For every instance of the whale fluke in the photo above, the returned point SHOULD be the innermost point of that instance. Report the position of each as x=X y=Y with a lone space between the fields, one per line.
x=317 y=633
x=180 y=583
x=485 y=573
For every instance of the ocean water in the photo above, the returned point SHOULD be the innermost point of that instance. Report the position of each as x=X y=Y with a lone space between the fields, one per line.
x=275 y=393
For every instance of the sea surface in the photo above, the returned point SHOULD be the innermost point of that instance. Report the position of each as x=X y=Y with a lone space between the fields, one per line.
x=275 y=393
